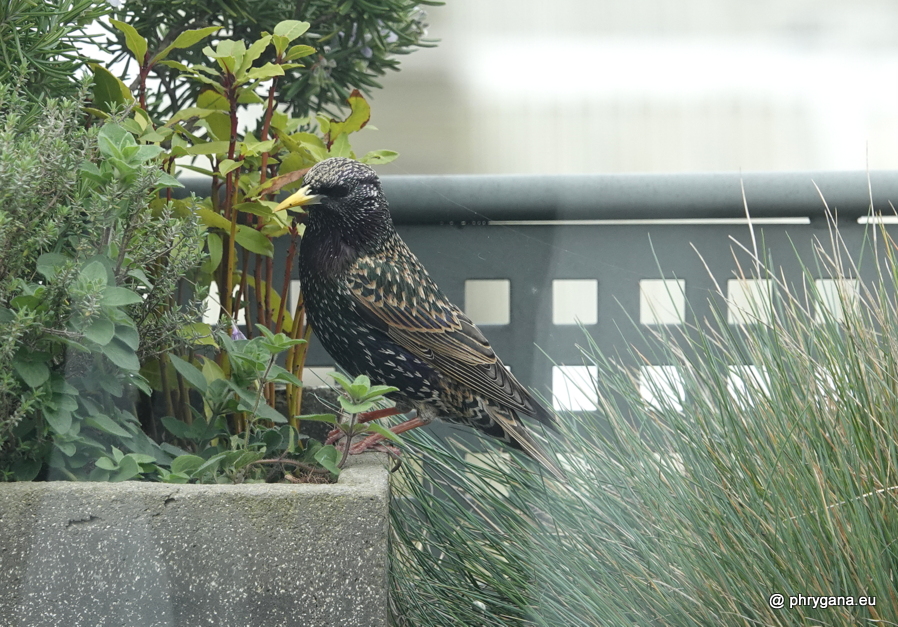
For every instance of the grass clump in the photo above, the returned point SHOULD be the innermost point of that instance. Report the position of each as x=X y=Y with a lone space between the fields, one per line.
x=770 y=471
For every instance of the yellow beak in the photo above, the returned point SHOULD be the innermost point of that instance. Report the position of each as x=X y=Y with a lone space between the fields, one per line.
x=299 y=199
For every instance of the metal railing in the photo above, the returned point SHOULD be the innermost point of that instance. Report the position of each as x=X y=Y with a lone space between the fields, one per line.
x=615 y=230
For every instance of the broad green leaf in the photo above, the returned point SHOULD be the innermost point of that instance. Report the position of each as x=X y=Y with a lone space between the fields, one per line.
x=212 y=371
x=190 y=113
x=381 y=431
x=254 y=52
x=354 y=408
x=269 y=70
x=94 y=272
x=208 y=148
x=136 y=44
x=298 y=52
x=258 y=208
x=199 y=334
x=213 y=242
x=121 y=355
x=267 y=412
x=376 y=157
x=33 y=373
x=210 y=465
x=291 y=29
x=227 y=165
x=177 y=428
x=49 y=263
x=109 y=91
x=280 y=374
x=211 y=99
x=341 y=379
x=186 y=464
x=128 y=335
x=357 y=119
x=59 y=421
x=246 y=95
x=190 y=372
x=106 y=463
x=219 y=125
x=328 y=457
x=106 y=425
x=185 y=40
x=100 y=331
x=328 y=418
x=340 y=147
x=253 y=241
x=128 y=469
x=215 y=220
x=119 y=296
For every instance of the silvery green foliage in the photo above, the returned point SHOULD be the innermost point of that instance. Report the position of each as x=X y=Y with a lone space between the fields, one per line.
x=92 y=260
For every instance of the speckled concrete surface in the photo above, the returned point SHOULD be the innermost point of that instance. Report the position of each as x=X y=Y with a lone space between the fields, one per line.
x=151 y=555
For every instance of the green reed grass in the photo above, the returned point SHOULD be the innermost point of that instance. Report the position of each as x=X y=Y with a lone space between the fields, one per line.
x=690 y=510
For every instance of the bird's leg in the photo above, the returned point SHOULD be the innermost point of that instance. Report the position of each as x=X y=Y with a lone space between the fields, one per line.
x=367 y=416
x=375 y=438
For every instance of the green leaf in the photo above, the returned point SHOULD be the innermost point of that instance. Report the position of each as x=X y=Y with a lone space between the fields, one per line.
x=386 y=433
x=128 y=469
x=291 y=29
x=136 y=44
x=186 y=464
x=376 y=157
x=106 y=425
x=198 y=333
x=340 y=147
x=269 y=70
x=121 y=355
x=328 y=418
x=33 y=373
x=253 y=53
x=106 y=464
x=208 y=148
x=100 y=331
x=327 y=456
x=280 y=374
x=210 y=465
x=190 y=372
x=59 y=420
x=177 y=428
x=227 y=165
x=49 y=263
x=267 y=412
x=119 y=296
x=128 y=335
x=354 y=408
x=357 y=119
x=185 y=40
x=298 y=52
x=253 y=241
x=109 y=91
x=215 y=220
x=341 y=379
x=94 y=272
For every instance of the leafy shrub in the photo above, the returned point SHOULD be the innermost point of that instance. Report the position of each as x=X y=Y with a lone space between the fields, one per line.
x=86 y=282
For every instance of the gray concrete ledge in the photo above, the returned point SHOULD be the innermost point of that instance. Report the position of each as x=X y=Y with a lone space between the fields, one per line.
x=152 y=555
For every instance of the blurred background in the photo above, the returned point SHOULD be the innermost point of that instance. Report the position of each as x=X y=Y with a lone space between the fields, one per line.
x=579 y=86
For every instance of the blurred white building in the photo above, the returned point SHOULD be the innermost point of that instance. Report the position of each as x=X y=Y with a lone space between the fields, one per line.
x=579 y=86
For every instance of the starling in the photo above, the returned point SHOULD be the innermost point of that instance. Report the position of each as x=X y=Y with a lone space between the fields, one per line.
x=377 y=312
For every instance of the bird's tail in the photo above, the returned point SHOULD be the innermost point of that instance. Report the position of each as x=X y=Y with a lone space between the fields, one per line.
x=519 y=435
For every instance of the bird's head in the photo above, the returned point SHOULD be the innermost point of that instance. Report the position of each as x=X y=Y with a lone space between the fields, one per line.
x=341 y=193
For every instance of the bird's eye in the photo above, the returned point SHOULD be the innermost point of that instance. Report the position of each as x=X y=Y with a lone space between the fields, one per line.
x=334 y=191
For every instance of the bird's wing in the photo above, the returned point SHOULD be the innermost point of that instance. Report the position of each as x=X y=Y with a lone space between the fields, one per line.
x=401 y=299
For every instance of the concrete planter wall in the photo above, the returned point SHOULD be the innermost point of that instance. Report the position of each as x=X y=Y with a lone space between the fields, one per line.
x=154 y=555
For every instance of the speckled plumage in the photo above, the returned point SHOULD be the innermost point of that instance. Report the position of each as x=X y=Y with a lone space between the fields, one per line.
x=377 y=312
